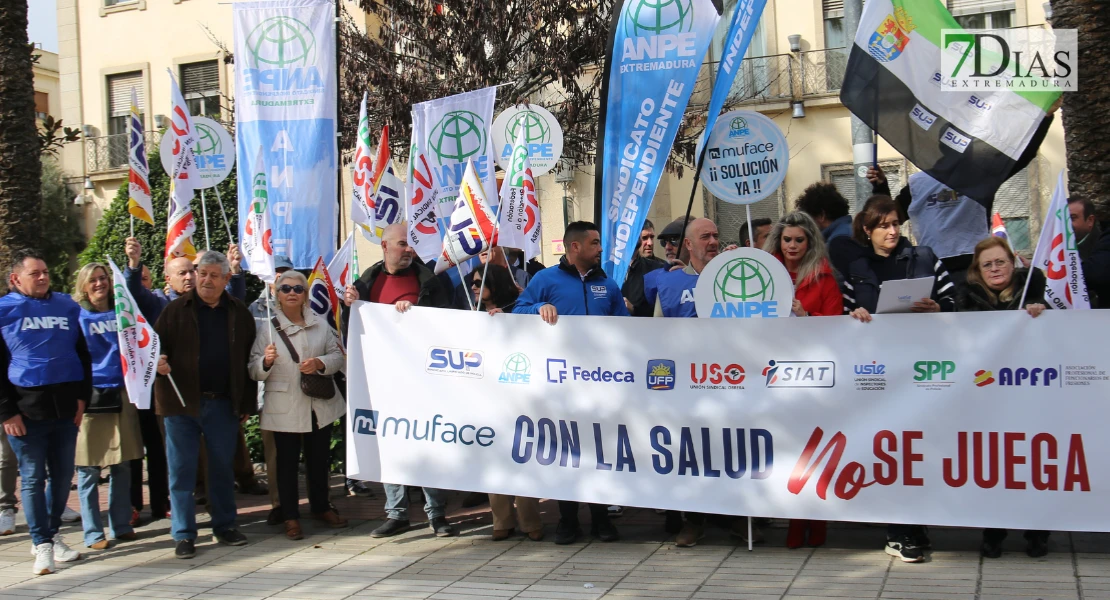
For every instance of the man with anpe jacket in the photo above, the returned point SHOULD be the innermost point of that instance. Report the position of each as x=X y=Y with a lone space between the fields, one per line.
x=576 y=286
x=45 y=383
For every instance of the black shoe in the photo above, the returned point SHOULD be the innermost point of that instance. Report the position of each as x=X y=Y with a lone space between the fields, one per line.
x=275 y=517
x=605 y=531
x=673 y=524
x=185 y=549
x=359 y=488
x=904 y=548
x=231 y=537
x=921 y=538
x=567 y=533
x=475 y=499
x=441 y=527
x=1037 y=547
x=990 y=549
x=390 y=528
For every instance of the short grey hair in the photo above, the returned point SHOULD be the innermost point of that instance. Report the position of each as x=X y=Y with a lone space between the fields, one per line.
x=297 y=276
x=211 y=257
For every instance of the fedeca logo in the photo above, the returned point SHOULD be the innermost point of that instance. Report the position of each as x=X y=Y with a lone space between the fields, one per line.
x=454 y=362
x=558 y=372
x=712 y=376
x=517 y=369
x=800 y=374
x=365 y=421
x=281 y=57
x=660 y=374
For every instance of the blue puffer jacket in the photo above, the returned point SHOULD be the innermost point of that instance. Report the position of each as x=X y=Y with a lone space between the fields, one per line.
x=571 y=294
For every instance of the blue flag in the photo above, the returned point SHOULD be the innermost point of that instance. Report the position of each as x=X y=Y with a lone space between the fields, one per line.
x=657 y=51
x=740 y=32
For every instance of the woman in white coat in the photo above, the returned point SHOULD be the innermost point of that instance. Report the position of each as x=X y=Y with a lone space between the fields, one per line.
x=295 y=417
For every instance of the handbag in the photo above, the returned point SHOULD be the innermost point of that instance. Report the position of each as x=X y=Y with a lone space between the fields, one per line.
x=105 y=400
x=312 y=384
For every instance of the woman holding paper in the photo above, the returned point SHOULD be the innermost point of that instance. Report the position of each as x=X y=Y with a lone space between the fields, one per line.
x=109 y=435
x=888 y=256
x=293 y=345
x=797 y=242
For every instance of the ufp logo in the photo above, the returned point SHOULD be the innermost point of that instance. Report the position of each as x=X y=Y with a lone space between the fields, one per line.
x=660 y=374
x=517 y=369
x=281 y=55
x=800 y=373
x=366 y=421
x=654 y=28
x=932 y=371
x=452 y=361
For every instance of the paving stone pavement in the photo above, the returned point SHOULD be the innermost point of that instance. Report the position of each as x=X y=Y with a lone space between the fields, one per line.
x=348 y=564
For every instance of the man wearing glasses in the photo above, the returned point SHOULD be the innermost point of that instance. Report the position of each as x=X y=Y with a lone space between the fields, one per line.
x=668 y=238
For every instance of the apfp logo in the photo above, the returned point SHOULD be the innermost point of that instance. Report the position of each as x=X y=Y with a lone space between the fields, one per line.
x=660 y=374
x=281 y=57
x=983 y=378
x=517 y=369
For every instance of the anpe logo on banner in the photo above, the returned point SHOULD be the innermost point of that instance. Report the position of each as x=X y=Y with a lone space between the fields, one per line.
x=660 y=374
x=517 y=369
x=659 y=29
x=459 y=135
x=934 y=374
x=455 y=362
x=800 y=373
x=281 y=55
x=557 y=372
x=365 y=421
x=1022 y=376
x=737 y=127
x=214 y=152
x=712 y=376
x=743 y=283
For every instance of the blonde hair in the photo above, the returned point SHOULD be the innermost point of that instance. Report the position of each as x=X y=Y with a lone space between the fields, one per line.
x=84 y=276
x=816 y=255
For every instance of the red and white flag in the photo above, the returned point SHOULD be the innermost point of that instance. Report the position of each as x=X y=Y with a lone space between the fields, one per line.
x=1058 y=255
x=139 y=346
x=519 y=221
x=256 y=243
x=184 y=178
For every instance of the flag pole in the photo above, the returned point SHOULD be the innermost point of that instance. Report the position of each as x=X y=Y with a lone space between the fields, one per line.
x=204 y=215
x=132 y=225
x=266 y=300
x=227 y=224
x=174 y=384
x=751 y=231
x=466 y=288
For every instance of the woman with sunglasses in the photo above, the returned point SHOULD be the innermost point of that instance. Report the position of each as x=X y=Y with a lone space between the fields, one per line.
x=797 y=242
x=993 y=283
x=499 y=294
x=296 y=418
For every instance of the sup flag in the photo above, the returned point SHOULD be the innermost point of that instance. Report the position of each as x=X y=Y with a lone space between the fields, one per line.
x=422 y=196
x=139 y=346
x=1057 y=255
x=322 y=297
x=180 y=225
x=473 y=228
x=345 y=266
x=138 y=178
x=256 y=243
x=970 y=141
x=519 y=218
x=998 y=229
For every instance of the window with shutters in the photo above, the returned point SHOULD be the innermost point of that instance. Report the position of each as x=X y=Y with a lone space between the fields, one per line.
x=731 y=217
x=840 y=174
x=42 y=105
x=983 y=14
x=119 y=108
x=833 y=13
x=200 y=85
x=1011 y=202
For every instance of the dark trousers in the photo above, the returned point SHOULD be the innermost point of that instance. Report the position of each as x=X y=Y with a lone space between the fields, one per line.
x=995 y=536
x=158 y=482
x=897 y=530
x=317 y=450
x=568 y=511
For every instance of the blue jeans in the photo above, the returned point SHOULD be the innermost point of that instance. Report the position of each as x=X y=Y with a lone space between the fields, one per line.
x=45 y=454
x=219 y=423
x=397 y=502
x=119 y=501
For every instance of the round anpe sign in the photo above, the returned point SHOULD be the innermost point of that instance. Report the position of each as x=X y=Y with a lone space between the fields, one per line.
x=747 y=158
x=214 y=152
x=744 y=284
x=541 y=131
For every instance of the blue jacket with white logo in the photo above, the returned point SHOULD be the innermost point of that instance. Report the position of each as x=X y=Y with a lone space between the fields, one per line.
x=103 y=342
x=674 y=291
x=44 y=360
x=572 y=294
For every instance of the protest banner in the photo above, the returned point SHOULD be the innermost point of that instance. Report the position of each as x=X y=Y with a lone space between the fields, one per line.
x=285 y=101
x=823 y=418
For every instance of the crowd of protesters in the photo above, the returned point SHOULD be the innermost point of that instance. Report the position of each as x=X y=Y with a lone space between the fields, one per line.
x=65 y=410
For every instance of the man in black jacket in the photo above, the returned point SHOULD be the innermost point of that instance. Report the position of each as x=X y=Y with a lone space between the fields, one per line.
x=643 y=262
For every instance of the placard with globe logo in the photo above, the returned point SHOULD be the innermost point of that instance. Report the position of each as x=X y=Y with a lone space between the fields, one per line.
x=541 y=130
x=747 y=158
x=214 y=152
x=744 y=283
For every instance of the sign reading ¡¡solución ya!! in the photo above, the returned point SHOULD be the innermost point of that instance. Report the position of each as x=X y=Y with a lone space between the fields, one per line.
x=744 y=283
x=747 y=158
x=541 y=130
x=214 y=152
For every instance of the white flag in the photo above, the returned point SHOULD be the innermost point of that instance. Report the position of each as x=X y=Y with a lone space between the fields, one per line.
x=1058 y=255
x=344 y=266
x=183 y=178
x=422 y=196
x=139 y=346
x=519 y=221
x=365 y=175
x=256 y=243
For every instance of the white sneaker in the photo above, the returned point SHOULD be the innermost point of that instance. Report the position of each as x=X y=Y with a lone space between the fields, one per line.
x=63 y=553
x=7 y=521
x=70 y=516
x=44 y=559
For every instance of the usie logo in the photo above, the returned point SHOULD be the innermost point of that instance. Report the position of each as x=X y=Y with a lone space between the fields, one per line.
x=452 y=361
x=801 y=373
x=872 y=369
x=366 y=421
x=660 y=374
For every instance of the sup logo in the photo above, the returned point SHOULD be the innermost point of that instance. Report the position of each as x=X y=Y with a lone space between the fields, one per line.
x=891 y=38
x=452 y=361
x=517 y=369
x=738 y=127
x=659 y=17
x=281 y=43
x=459 y=135
x=660 y=374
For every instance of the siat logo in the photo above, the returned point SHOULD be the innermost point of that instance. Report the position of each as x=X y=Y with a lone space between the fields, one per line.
x=660 y=374
x=800 y=373
x=517 y=369
x=281 y=56
x=656 y=29
x=744 y=287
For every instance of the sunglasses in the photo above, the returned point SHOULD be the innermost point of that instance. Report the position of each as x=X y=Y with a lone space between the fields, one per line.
x=668 y=241
x=296 y=289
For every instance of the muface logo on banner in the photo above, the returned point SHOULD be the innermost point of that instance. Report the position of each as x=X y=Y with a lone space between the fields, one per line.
x=744 y=283
x=214 y=152
x=747 y=158
x=542 y=134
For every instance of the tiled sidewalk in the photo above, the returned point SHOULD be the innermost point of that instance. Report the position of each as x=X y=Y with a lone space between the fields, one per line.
x=330 y=564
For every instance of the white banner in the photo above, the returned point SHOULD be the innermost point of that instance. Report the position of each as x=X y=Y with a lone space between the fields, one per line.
x=818 y=418
x=457 y=129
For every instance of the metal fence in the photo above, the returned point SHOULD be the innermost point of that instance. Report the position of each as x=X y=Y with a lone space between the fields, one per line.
x=786 y=77
x=822 y=71
x=109 y=152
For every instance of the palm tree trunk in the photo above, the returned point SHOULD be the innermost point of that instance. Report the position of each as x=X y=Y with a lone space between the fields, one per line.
x=20 y=162
x=1086 y=112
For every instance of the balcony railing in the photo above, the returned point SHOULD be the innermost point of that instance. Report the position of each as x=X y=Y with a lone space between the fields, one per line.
x=786 y=77
x=822 y=71
x=109 y=152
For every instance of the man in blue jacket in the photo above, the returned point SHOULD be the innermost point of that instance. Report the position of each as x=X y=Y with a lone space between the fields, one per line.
x=576 y=286
x=45 y=381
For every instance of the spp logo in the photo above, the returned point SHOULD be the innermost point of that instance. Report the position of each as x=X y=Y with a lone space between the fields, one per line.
x=714 y=376
x=800 y=373
x=934 y=374
x=455 y=362
x=366 y=421
x=517 y=369
x=1020 y=376
x=660 y=374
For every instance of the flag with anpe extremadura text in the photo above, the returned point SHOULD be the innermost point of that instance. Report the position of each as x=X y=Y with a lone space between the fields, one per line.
x=970 y=141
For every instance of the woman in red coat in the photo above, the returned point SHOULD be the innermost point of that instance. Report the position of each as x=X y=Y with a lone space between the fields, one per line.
x=797 y=242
